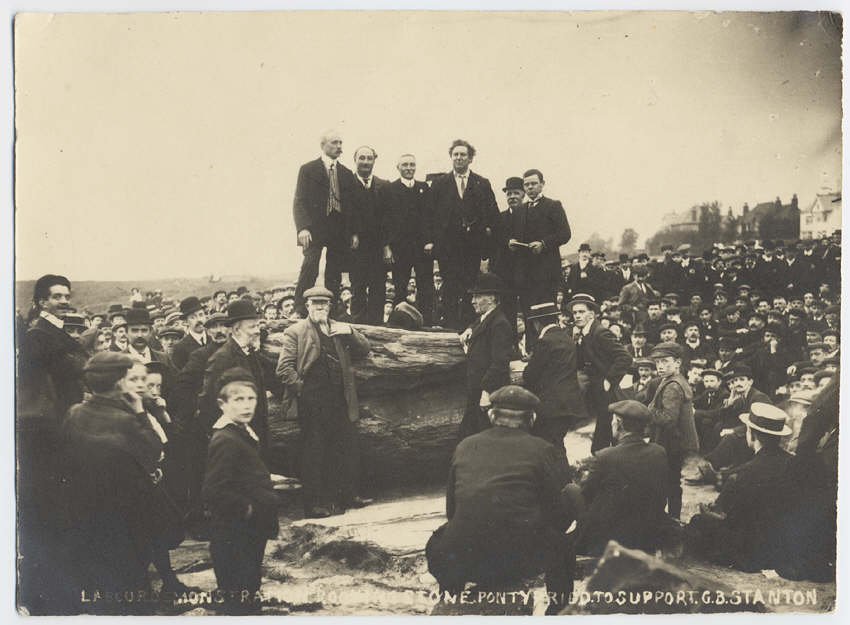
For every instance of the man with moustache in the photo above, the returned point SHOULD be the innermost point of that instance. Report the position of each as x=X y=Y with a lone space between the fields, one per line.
x=194 y=314
x=50 y=380
x=315 y=367
x=465 y=220
x=584 y=277
x=139 y=334
x=408 y=235
x=506 y=263
x=323 y=209
x=368 y=273
x=240 y=350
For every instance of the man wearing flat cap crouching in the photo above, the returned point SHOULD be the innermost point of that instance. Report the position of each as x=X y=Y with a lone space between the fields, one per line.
x=509 y=505
x=315 y=368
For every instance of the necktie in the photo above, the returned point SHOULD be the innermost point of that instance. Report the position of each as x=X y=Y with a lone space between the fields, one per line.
x=462 y=185
x=333 y=196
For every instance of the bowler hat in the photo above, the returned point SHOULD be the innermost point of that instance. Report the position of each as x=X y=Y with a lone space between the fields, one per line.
x=543 y=310
x=583 y=298
x=766 y=418
x=513 y=183
x=639 y=331
x=630 y=409
x=138 y=317
x=318 y=292
x=668 y=348
x=190 y=305
x=487 y=283
x=215 y=318
x=115 y=308
x=776 y=328
x=740 y=371
x=727 y=342
x=513 y=397
x=240 y=310
x=584 y=247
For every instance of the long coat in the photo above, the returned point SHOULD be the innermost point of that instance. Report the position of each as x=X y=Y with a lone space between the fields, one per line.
x=477 y=210
x=408 y=216
x=551 y=374
x=488 y=355
x=302 y=347
x=183 y=348
x=625 y=489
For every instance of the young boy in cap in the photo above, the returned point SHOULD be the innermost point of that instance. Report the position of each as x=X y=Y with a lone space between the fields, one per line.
x=672 y=424
x=239 y=492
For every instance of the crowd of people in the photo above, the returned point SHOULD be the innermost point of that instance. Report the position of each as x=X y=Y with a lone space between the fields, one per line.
x=143 y=421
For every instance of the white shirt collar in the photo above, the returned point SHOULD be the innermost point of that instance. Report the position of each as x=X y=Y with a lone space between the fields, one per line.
x=244 y=348
x=586 y=329
x=487 y=314
x=367 y=184
x=466 y=175
x=537 y=199
x=145 y=355
x=225 y=421
x=200 y=338
x=52 y=319
x=408 y=183
x=328 y=161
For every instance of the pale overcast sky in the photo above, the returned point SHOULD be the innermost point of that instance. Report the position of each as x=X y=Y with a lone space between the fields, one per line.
x=153 y=145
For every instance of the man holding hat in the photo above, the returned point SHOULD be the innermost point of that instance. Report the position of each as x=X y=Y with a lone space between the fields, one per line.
x=744 y=527
x=603 y=362
x=488 y=344
x=671 y=407
x=315 y=369
x=194 y=314
x=552 y=375
x=508 y=504
x=240 y=350
x=625 y=486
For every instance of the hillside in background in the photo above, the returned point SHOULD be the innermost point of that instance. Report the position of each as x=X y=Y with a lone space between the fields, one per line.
x=97 y=295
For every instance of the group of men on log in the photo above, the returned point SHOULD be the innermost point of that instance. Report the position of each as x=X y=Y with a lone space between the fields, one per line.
x=730 y=360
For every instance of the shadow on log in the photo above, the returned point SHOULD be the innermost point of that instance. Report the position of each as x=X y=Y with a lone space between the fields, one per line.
x=412 y=396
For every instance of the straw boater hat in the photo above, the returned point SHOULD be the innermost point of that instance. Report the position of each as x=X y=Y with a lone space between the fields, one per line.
x=583 y=298
x=766 y=418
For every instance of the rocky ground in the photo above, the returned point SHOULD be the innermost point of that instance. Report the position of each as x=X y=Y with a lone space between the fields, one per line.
x=371 y=561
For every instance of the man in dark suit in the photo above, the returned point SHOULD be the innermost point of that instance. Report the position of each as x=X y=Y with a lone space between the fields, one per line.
x=323 y=209
x=465 y=220
x=552 y=375
x=50 y=380
x=508 y=503
x=603 y=362
x=408 y=235
x=636 y=294
x=488 y=344
x=505 y=262
x=625 y=486
x=193 y=312
x=584 y=276
x=638 y=346
x=240 y=350
x=368 y=271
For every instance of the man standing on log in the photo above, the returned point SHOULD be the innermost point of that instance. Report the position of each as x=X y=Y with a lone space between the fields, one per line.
x=603 y=362
x=408 y=235
x=368 y=272
x=488 y=344
x=315 y=366
x=466 y=217
x=323 y=206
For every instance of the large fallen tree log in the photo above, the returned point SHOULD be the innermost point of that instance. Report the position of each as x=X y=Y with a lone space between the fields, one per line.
x=412 y=394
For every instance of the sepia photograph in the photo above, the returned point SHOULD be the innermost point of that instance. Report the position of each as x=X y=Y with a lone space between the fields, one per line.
x=410 y=313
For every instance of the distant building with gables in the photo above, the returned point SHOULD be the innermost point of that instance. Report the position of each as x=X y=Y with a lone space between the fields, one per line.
x=682 y=221
x=822 y=217
x=770 y=220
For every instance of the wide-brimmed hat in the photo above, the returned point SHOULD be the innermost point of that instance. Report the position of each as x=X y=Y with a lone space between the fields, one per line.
x=487 y=283
x=538 y=311
x=240 y=310
x=766 y=418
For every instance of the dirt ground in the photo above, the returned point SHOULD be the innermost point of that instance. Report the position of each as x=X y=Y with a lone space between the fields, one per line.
x=371 y=561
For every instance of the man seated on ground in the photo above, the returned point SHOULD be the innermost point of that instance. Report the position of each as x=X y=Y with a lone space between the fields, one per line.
x=705 y=403
x=625 y=486
x=744 y=526
x=509 y=503
x=732 y=449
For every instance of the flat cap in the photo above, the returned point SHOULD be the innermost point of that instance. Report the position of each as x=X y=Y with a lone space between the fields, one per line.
x=108 y=361
x=514 y=397
x=630 y=409
x=713 y=372
x=174 y=331
x=645 y=362
x=217 y=317
x=668 y=348
x=318 y=292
